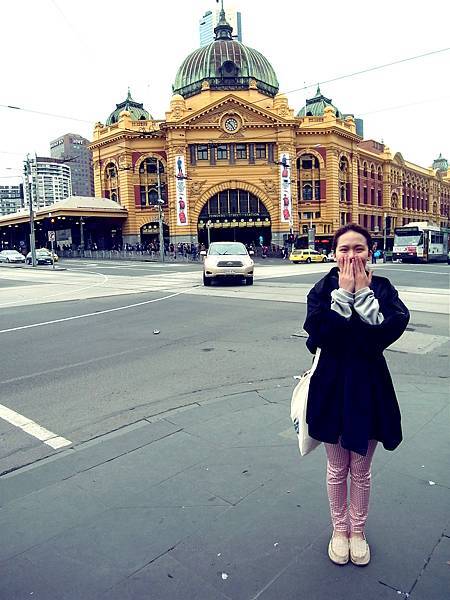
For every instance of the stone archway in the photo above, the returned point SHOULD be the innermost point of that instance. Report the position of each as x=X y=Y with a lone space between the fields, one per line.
x=234 y=212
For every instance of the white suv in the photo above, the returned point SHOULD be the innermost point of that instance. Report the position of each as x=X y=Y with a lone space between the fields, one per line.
x=225 y=260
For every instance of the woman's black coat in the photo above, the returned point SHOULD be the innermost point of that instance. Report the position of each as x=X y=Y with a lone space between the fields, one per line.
x=351 y=395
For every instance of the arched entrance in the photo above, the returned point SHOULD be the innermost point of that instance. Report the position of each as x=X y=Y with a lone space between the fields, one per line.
x=150 y=233
x=235 y=215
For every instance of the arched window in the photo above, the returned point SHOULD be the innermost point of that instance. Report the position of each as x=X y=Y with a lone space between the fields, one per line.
x=344 y=179
x=148 y=182
x=307 y=193
x=372 y=172
x=308 y=177
x=380 y=174
x=234 y=203
x=364 y=169
x=112 y=182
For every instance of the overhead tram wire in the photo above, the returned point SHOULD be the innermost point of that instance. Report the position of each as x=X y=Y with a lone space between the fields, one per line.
x=305 y=87
x=368 y=70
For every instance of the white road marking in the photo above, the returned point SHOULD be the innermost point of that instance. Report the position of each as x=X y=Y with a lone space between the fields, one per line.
x=104 y=280
x=414 y=271
x=32 y=428
x=95 y=314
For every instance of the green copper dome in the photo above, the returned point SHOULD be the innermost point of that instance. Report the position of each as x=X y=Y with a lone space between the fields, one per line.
x=440 y=163
x=316 y=106
x=136 y=109
x=225 y=64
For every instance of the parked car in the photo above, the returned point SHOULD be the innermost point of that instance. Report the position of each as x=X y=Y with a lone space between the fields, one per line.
x=11 y=256
x=227 y=259
x=331 y=257
x=306 y=256
x=43 y=257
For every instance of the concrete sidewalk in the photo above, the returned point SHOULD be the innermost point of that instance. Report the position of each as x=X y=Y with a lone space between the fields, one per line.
x=214 y=502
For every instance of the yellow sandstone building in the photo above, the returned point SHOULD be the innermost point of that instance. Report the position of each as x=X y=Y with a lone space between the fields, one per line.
x=232 y=160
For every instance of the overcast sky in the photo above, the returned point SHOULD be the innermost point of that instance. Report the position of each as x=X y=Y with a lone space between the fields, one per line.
x=76 y=58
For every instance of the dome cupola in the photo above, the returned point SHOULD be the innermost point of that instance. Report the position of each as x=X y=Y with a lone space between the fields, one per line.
x=315 y=107
x=225 y=64
x=440 y=163
x=136 y=110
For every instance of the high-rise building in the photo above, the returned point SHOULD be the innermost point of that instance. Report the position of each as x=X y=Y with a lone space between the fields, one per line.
x=75 y=149
x=10 y=199
x=210 y=20
x=52 y=178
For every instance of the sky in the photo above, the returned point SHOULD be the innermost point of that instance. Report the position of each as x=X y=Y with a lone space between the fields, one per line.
x=76 y=59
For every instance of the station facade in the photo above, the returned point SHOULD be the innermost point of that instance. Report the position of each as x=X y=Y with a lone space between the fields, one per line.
x=232 y=160
x=235 y=162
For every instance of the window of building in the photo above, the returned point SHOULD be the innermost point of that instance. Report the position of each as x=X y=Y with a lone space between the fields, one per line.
x=148 y=181
x=308 y=162
x=365 y=169
x=379 y=198
x=317 y=190
x=223 y=203
x=149 y=196
x=308 y=177
x=202 y=152
x=222 y=152
x=372 y=196
x=307 y=192
x=233 y=201
x=364 y=195
x=260 y=151
x=111 y=171
x=149 y=166
x=241 y=151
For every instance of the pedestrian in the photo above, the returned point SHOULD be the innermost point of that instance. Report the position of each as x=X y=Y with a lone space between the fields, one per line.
x=352 y=317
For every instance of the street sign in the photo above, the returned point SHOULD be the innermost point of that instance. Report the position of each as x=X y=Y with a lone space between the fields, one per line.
x=51 y=236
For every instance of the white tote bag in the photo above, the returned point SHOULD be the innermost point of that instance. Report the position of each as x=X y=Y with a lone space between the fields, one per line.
x=299 y=405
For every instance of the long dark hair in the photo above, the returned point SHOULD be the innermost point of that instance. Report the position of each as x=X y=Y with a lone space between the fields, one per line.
x=357 y=229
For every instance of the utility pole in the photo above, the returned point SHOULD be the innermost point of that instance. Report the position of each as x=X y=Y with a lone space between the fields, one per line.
x=32 y=189
x=384 y=233
x=81 y=236
x=160 y=215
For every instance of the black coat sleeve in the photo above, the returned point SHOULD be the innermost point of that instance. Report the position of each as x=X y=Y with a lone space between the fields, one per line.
x=326 y=327
x=396 y=317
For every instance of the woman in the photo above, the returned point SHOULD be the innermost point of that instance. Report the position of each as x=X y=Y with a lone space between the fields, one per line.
x=353 y=317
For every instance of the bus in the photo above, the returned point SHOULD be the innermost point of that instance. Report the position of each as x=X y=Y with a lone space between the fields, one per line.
x=420 y=242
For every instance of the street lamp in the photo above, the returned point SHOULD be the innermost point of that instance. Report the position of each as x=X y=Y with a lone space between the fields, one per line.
x=82 y=235
x=32 y=191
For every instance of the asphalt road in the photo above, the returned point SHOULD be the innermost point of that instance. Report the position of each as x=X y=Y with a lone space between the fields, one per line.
x=84 y=377
x=435 y=275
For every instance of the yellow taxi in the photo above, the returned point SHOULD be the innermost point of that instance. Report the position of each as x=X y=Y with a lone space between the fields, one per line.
x=307 y=256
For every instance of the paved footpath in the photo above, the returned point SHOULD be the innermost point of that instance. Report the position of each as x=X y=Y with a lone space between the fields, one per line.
x=214 y=502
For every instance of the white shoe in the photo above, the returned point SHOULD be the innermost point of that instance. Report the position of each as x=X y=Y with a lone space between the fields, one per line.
x=338 y=549
x=359 y=551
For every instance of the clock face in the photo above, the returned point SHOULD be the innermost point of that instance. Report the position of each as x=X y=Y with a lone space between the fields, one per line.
x=231 y=124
